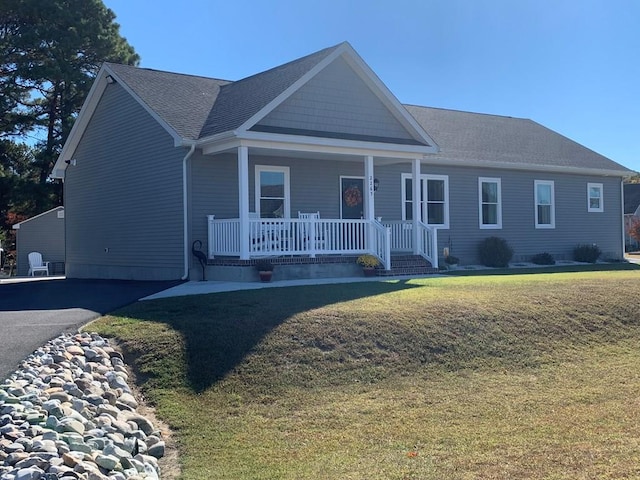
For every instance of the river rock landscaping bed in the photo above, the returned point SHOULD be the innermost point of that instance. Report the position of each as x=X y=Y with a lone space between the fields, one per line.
x=68 y=414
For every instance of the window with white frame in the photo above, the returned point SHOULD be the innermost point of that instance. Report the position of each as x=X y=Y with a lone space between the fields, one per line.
x=594 y=197
x=434 y=199
x=272 y=191
x=545 y=204
x=490 y=202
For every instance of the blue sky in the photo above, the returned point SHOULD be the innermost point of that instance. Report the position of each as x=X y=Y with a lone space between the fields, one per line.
x=573 y=66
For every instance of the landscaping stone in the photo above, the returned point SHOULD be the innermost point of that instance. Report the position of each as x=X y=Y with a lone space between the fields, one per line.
x=68 y=413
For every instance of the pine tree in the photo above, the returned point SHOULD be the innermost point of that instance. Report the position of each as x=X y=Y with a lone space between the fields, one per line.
x=50 y=52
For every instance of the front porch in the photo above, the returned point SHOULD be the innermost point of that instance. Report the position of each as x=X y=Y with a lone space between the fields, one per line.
x=309 y=196
x=292 y=268
x=320 y=241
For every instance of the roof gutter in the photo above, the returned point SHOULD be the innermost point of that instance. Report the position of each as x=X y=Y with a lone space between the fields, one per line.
x=185 y=210
x=450 y=162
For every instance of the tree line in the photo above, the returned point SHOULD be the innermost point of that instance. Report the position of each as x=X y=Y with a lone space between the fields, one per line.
x=50 y=53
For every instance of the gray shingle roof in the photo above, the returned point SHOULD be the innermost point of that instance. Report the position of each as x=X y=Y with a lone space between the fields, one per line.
x=197 y=107
x=183 y=101
x=492 y=138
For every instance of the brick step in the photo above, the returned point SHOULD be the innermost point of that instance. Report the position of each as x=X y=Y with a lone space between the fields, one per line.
x=407 y=265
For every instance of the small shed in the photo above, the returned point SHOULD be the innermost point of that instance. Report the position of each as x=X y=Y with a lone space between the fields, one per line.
x=43 y=233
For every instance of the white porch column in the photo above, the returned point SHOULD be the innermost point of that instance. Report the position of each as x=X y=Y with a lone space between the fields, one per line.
x=369 y=205
x=417 y=195
x=243 y=200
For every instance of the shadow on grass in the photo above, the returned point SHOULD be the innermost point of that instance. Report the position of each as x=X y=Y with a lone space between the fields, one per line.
x=220 y=330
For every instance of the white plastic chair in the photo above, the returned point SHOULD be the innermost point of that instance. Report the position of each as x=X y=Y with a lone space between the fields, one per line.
x=37 y=265
x=306 y=228
x=266 y=235
x=308 y=216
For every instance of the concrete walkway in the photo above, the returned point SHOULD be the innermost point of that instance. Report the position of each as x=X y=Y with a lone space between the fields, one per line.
x=200 y=288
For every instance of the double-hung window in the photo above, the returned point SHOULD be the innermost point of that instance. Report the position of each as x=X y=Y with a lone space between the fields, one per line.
x=594 y=197
x=490 y=202
x=434 y=199
x=272 y=191
x=545 y=204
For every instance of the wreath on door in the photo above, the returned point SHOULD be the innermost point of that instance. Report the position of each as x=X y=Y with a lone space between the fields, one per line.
x=352 y=196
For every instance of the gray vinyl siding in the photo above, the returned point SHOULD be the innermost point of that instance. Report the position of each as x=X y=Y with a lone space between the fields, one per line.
x=124 y=196
x=336 y=100
x=573 y=223
x=44 y=234
x=315 y=185
x=213 y=190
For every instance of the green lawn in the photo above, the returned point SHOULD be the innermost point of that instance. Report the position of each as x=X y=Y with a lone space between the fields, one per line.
x=491 y=377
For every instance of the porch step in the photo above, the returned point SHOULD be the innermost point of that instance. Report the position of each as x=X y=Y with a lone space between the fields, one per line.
x=407 y=265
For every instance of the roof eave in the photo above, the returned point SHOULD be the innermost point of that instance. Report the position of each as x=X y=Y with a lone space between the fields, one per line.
x=86 y=112
x=394 y=105
x=224 y=142
x=533 y=167
x=17 y=225
x=100 y=84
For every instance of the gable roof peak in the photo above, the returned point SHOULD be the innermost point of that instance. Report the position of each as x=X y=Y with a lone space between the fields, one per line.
x=320 y=54
x=239 y=101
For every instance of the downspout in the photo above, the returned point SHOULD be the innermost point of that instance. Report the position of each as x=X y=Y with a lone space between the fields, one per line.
x=185 y=211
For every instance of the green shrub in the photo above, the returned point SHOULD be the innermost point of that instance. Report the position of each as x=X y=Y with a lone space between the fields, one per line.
x=543 y=259
x=586 y=253
x=495 y=252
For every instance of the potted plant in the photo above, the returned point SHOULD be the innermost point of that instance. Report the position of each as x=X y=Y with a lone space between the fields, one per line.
x=265 y=270
x=368 y=264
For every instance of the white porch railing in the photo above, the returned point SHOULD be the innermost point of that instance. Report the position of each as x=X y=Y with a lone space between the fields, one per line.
x=428 y=243
x=381 y=239
x=292 y=236
x=401 y=235
x=402 y=239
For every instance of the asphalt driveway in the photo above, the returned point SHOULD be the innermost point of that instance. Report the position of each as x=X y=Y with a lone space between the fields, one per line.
x=33 y=312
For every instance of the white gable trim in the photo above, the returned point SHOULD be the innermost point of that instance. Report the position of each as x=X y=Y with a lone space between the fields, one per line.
x=387 y=97
x=17 y=225
x=367 y=75
x=177 y=139
x=86 y=113
x=267 y=109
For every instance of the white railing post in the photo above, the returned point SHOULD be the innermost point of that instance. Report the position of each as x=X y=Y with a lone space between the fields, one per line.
x=210 y=235
x=387 y=248
x=428 y=243
x=434 y=248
